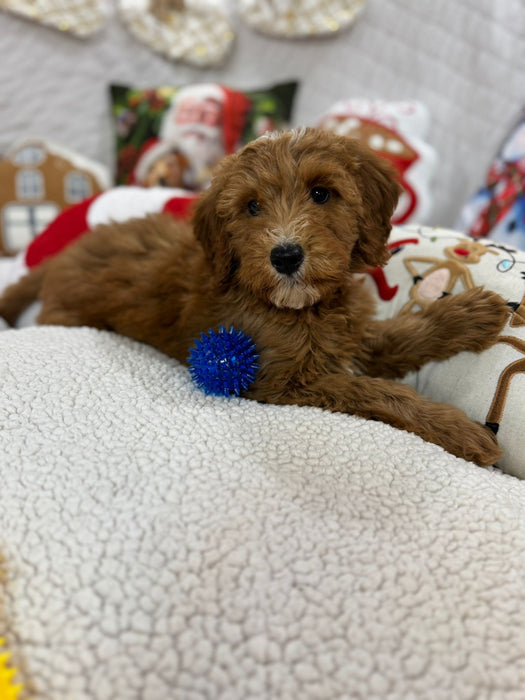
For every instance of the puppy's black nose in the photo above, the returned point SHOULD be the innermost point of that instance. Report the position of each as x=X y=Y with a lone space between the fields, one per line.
x=287 y=258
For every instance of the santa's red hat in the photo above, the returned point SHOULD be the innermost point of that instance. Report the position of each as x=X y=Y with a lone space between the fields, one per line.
x=235 y=111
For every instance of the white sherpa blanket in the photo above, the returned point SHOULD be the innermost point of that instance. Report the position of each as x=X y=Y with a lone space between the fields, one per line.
x=158 y=543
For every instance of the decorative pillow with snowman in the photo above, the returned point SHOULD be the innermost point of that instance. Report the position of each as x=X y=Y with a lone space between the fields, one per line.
x=429 y=263
x=497 y=210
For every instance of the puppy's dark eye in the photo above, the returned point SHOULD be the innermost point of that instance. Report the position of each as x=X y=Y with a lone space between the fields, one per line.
x=320 y=195
x=254 y=208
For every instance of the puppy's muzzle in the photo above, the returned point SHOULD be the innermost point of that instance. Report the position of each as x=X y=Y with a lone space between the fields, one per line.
x=287 y=258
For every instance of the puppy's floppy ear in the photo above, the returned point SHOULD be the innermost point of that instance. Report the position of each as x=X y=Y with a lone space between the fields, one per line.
x=210 y=229
x=380 y=192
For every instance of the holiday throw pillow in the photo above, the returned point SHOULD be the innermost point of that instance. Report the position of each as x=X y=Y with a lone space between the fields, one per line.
x=497 y=210
x=428 y=264
x=37 y=180
x=397 y=132
x=117 y=204
x=175 y=136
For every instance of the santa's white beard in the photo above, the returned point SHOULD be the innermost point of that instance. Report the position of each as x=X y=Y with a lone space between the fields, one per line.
x=202 y=151
x=200 y=144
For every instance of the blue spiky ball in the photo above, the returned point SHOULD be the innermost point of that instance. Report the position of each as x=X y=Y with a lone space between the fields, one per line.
x=223 y=363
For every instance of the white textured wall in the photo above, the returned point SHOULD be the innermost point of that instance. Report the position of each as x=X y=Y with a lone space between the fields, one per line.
x=464 y=58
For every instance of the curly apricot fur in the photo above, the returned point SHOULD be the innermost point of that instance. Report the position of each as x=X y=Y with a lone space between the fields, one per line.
x=163 y=282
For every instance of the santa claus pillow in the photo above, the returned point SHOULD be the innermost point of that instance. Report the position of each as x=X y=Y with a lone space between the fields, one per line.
x=173 y=136
x=396 y=131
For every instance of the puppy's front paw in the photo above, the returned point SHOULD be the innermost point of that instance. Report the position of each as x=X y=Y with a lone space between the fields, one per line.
x=481 y=446
x=474 y=319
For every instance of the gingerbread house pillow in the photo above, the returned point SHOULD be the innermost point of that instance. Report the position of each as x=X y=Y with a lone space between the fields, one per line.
x=38 y=180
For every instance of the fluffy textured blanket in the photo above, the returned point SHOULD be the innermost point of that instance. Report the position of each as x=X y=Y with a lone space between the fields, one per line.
x=158 y=543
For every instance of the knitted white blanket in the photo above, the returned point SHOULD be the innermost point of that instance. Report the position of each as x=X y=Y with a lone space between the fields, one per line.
x=160 y=544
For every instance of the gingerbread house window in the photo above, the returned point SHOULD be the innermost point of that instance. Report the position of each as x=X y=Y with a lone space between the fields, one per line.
x=30 y=184
x=29 y=155
x=77 y=187
x=21 y=223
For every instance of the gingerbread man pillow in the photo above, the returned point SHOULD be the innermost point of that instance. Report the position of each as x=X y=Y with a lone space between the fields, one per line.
x=429 y=263
x=396 y=131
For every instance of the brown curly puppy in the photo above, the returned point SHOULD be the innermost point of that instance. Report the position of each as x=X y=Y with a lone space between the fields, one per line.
x=274 y=249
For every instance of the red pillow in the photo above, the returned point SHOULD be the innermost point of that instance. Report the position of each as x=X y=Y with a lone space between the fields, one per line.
x=117 y=204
